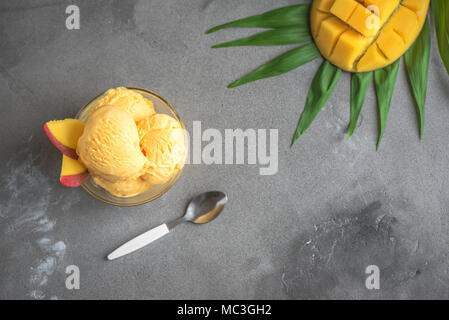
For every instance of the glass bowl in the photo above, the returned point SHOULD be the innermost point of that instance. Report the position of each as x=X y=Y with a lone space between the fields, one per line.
x=160 y=106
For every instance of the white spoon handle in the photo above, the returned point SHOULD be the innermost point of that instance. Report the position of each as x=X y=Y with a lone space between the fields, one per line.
x=139 y=241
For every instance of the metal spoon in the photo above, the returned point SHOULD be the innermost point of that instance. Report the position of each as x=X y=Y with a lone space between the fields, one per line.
x=201 y=209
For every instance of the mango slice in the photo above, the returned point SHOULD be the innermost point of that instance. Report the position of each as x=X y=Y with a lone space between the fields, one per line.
x=73 y=172
x=365 y=35
x=64 y=135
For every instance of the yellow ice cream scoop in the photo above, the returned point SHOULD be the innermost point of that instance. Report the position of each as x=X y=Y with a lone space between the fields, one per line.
x=156 y=122
x=365 y=35
x=109 y=146
x=163 y=141
x=128 y=100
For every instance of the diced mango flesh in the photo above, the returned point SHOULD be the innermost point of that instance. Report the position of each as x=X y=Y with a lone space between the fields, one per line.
x=324 y=5
x=316 y=21
x=344 y=9
x=330 y=31
x=382 y=8
x=348 y=47
x=365 y=35
x=417 y=7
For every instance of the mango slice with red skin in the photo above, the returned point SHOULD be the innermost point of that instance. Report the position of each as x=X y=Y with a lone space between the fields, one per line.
x=73 y=172
x=64 y=135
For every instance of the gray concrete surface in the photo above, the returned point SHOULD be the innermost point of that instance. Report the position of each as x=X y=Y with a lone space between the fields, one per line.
x=334 y=207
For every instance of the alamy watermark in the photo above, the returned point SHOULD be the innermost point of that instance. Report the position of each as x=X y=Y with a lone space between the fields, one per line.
x=234 y=146
x=72 y=282
x=373 y=279
x=373 y=20
x=72 y=22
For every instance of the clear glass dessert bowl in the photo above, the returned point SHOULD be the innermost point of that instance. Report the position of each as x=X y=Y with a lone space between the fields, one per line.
x=160 y=106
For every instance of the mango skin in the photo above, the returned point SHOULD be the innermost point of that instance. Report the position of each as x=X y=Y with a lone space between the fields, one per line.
x=366 y=35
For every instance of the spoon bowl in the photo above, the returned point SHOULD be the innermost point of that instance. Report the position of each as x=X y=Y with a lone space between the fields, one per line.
x=205 y=207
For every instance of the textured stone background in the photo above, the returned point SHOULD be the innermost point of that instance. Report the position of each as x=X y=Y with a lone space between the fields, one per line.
x=334 y=207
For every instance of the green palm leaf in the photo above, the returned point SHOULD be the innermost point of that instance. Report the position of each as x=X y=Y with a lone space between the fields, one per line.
x=280 y=36
x=282 y=17
x=359 y=86
x=284 y=63
x=385 y=80
x=323 y=84
x=440 y=9
x=417 y=63
x=290 y=25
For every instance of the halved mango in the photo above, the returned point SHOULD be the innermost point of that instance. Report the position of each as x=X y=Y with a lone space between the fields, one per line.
x=365 y=35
